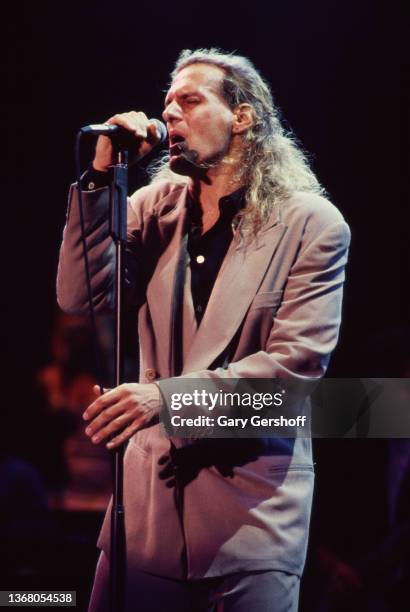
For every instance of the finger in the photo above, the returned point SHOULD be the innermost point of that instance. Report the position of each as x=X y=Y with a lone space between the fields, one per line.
x=153 y=135
x=109 y=398
x=125 y=434
x=137 y=123
x=133 y=122
x=117 y=424
x=97 y=390
x=105 y=417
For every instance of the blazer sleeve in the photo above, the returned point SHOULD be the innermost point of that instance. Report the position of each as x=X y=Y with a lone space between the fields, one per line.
x=71 y=278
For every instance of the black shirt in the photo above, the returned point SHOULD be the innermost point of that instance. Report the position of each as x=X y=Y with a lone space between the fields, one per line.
x=207 y=251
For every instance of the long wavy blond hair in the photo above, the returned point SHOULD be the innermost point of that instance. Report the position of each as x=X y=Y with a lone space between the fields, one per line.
x=273 y=165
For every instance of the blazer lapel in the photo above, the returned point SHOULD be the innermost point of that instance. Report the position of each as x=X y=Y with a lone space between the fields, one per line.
x=160 y=291
x=238 y=281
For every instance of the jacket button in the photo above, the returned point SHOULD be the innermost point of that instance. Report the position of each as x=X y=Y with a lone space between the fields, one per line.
x=150 y=374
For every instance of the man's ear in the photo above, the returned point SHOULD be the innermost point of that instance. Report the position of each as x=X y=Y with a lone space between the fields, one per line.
x=243 y=118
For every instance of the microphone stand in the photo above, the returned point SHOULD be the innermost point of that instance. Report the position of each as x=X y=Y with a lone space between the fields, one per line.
x=118 y=231
x=118 y=228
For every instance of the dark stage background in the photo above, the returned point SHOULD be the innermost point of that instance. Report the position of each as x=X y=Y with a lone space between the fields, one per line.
x=334 y=68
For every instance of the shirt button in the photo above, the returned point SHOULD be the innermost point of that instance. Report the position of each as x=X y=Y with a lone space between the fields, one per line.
x=199 y=308
x=200 y=259
x=150 y=374
x=91 y=185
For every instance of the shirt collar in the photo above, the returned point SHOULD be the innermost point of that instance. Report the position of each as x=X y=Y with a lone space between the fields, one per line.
x=229 y=205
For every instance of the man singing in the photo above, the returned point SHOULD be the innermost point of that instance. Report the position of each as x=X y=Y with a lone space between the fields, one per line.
x=235 y=267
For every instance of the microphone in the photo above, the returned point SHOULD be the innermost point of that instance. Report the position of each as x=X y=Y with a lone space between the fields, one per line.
x=121 y=134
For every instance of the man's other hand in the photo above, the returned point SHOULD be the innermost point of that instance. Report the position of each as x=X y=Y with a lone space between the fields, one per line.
x=120 y=412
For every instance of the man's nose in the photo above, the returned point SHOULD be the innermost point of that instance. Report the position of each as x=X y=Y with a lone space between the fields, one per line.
x=172 y=112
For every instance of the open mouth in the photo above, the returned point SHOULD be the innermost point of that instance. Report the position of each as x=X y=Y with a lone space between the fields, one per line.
x=176 y=144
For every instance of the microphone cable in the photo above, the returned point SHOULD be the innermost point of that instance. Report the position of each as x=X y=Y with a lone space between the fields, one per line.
x=91 y=309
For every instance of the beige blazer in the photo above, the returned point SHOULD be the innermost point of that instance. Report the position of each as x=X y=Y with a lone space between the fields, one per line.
x=277 y=304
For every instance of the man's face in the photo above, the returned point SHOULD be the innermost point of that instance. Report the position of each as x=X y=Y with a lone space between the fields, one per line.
x=197 y=117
